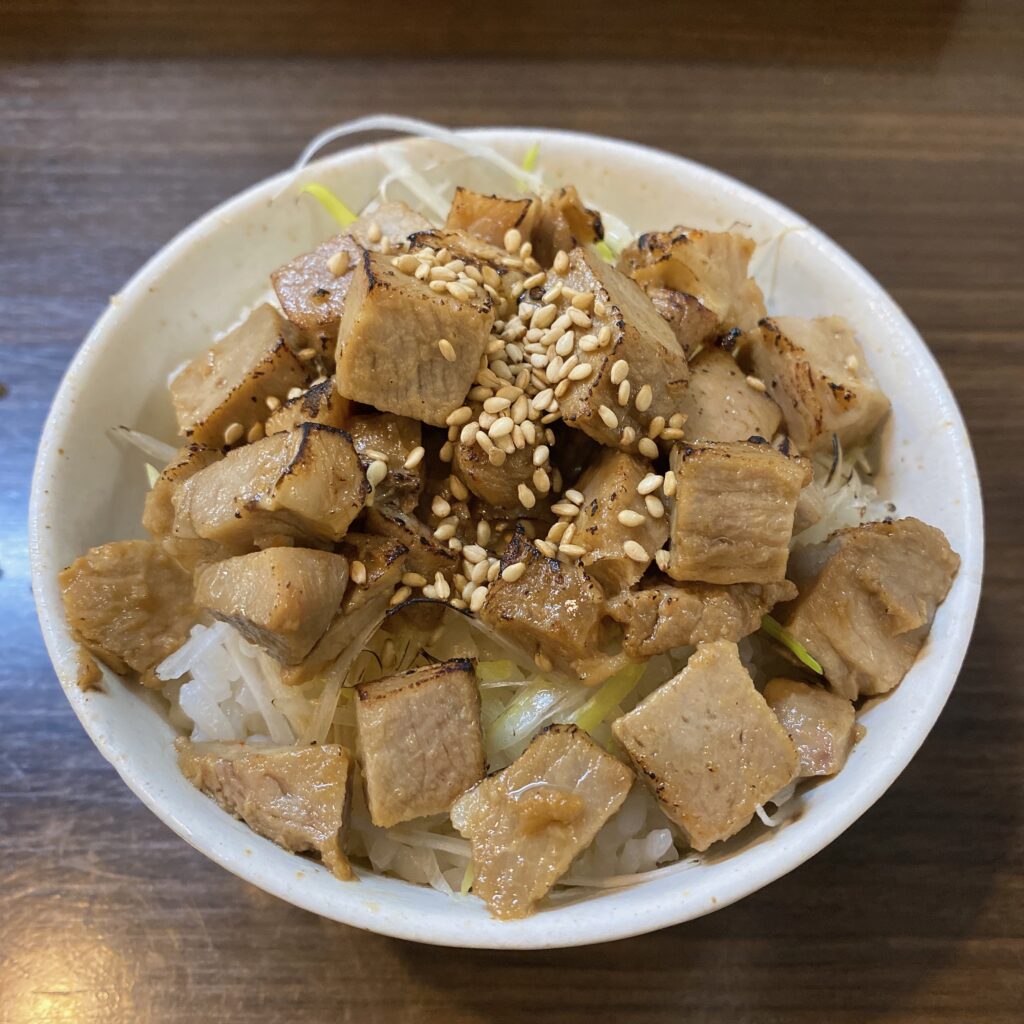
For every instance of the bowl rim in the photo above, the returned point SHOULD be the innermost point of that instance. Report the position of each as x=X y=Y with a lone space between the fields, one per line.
x=777 y=857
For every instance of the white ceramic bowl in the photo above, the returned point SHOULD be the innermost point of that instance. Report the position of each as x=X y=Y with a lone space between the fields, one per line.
x=88 y=490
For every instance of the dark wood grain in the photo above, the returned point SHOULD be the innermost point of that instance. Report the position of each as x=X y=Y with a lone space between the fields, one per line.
x=902 y=135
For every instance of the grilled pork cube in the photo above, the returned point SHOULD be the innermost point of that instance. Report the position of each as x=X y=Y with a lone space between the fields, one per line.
x=693 y=324
x=304 y=485
x=713 y=266
x=489 y=217
x=312 y=295
x=564 y=223
x=497 y=486
x=128 y=603
x=426 y=554
x=709 y=746
x=661 y=616
x=721 y=406
x=640 y=339
x=817 y=373
x=733 y=515
x=867 y=612
x=230 y=383
x=389 y=352
x=320 y=403
x=420 y=740
x=282 y=599
x=609 y=490
x=394 y=437
x=297 y=798
x=528 y=822
x=552 y=612
x=819 y=724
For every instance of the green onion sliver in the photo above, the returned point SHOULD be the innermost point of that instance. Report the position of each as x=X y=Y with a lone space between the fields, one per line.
x=330 y=202
x=608 y=696
x=467 y=880
x=530 y=159
x=790 y=642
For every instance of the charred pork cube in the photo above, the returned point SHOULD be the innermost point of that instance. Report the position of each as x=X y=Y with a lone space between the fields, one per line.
x=297 y=798
x=420 y=740
x=693 y=324
x=320 y=403
x=615 y=525
x=709 y=746
x=312 y=288
x=528 y=822
x=819 y=724
x=282 y=599
x=406 y=348
x=302 y=485
x=733 y=515
x=662 y=616
x=817 y=373
x=636 y=354
x=490 y=217
x=427 y=555
x=866 y=613
x=496 y=485
x=395 y=438
x=563 y=224
x=550 y=610
x=720 y=404
x=712 y=266
x=231 y=382
x=129 y=603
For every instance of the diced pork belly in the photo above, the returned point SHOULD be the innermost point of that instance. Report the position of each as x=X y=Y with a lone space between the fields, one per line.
x=282 y=599
x=427 y=555
x=709 y=746
x=496 y=485
x=128 y=603
x=733 y=515
x=302 y=485
x=693 y=324
x=634 y=341
x=319 y=403
x=819 y=724
x=563 y=224
x=490 y=217
x=662 y=616
x=552 y=611
x=312 y=287
x=390 y=353
x=231 y=382
x=817 y=373
x=420 y=740
x=713 y=266
x=614 y=518
x=720 y=404
x=394 y=437
x=297 y=798
x=528 y=822
x=867 y=613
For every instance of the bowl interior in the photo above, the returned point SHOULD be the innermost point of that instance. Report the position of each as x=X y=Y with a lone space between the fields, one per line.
x=89 y=489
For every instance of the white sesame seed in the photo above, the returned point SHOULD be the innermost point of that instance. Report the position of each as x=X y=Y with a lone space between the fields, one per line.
x=561 y=264
x=526 y=497
x=442 y=274
x=532 y=281
x=376 y=472
x=635 y=551
x=588 y=343
x=571 y=550
x=422 y=272
x=338 y=263
x=521 y=409
x=662 y=557
x=414 y=579
x=400 y=595
x=496 y=404
x=628 y=437
x=493 y=570
x=233 y=433
x=306 y=354
x=373 y=453
x=552 y=293
x=483 y=532
x=256 y=431
x=526 y=250
x=654 y=506
x=644 y=397
x=657 y=425
x=544 y=317
x=672 y=434
x=648 y=448
x=479 y=571
x=630 y=518
x=415 y=457
x=445 y=531
x=756 y=383
x=373 y=232
x=565 y=344
x=541 y=481
x=608 y=417
x=459 y=291
x=557 y=531
x=570 y=532
x=669 y=486
x=474 y=553
x=545 y=547
x=459 y=490
x=542 y=399
x=541 y=454
x=578 y=317
x=650 y=483
x=513 y=572
x=565 y=508
x=604 y=335
x=513 y=240
x=576 y=497
x=468 y=433
x=430 y=591
x=447 y=349
x=623 y=396
x=406 y=263
x=442 y=586
x=501 y=427
x=677 y=419
x=357 y=572
x=487 y=420
x=440 y=507
x=620 y=371
x=476 y=602
x=273 y=402
x=600 y=309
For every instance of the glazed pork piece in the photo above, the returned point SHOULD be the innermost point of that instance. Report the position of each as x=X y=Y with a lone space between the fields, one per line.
x=693 y=324
x=819 y=724
x=490 y=217
x=636 y=353
x=129 y=604
x=563 y=224
x=615 y=526
x=709 y=746
x=406 y=348
x=817 y=373
x=296 y=797
x=303 y=485
x=712 y=266
x=282 y=599
x=528 y=822
x=420 y=740
x=395 y=438
x=720 y=404
x=734 y=508
x=865 y=613
x=496 y=484
x=319 y=403
x=663 y=615
x=427 y=555
x=230 y=383
x=550 y=610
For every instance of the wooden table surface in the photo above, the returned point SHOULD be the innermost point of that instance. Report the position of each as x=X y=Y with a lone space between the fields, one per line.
x=901 y=135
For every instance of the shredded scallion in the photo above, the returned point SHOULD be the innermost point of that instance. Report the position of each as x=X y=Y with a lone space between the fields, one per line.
x=152 y=474
x=605 y=251
x=467 y=880
x=530 y=159
x=790 y=642
x=330 y=202
x=608 y=696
